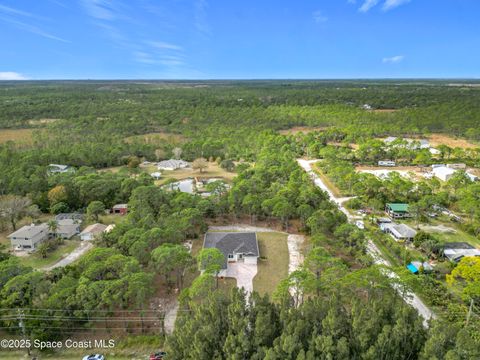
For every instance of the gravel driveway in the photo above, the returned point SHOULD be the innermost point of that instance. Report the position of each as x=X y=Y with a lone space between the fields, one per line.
x=74 y=255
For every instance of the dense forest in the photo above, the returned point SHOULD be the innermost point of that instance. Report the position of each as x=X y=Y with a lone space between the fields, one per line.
x=343 y=307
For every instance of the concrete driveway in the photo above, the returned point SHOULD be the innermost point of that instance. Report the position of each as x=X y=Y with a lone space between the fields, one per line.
x=244 y=273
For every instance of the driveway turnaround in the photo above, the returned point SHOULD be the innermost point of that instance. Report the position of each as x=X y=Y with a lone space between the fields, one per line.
x=244 y=273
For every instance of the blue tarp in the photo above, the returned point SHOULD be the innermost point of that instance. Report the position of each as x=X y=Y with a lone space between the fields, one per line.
x=412 y=268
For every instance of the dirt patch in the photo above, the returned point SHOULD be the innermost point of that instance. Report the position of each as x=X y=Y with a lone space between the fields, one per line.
x=442 y=139
x=302 y=129
x=41 y=122
x=335 y=143
x=19 y=136
x=438 y=228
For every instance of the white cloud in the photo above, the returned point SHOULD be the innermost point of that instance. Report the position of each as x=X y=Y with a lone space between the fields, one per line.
x=32 y=29
x=200 y=17
x=390 y=4
x=164 y=45
x=11 y=75
x=393 y=60
x=367 y=5
x=319 y=17
x=100 y=9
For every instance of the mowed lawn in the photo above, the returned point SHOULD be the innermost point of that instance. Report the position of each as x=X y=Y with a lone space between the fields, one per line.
x=273 y=264
x=36 y=261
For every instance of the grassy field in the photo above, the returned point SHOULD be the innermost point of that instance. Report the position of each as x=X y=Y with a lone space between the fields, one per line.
x=19 y=136
x=443 y=139
x=157 y=138
x=37 y=262
x=273 y=265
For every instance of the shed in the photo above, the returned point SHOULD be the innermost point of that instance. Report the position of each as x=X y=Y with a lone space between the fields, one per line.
x=121 y=209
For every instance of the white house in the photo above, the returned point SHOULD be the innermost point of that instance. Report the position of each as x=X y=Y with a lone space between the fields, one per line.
x=172 y=164
x=29 y=237
x=58 y=169
x=443 y=173
x=92 y=231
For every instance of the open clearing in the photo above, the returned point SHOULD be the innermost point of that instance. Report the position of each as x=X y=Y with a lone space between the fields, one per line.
x=19 y=136
x=157 y=138
x=442 y=139
x=213 y=171
x=273 y=262
x=302 y=129
x=40 y=122
x=404 y=171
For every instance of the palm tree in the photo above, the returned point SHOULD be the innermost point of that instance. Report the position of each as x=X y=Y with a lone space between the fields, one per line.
x=53 y=227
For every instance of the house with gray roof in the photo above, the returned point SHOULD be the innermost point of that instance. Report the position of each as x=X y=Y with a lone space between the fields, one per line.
x=235 y=247
x=29 y=237
x=399 y=232
x=457 y=251
x=67 y=228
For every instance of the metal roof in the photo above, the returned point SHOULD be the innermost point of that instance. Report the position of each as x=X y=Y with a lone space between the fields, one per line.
x=398 y=207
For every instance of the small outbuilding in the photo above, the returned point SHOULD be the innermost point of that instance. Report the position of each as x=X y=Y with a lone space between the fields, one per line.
x=416 y=267
x=92 y=231
x=121 y=209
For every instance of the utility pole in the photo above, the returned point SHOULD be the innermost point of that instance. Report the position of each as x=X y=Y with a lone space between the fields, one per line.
x=21 y=324
x=469 y=314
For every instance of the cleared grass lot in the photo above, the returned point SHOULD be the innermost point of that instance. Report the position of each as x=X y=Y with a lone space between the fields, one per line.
x=273 y=264
x=212 y=171
x=19 y=136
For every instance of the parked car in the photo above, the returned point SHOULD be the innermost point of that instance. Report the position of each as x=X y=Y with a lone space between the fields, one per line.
x=94 y=357
x=360 y=224
x=158 y=355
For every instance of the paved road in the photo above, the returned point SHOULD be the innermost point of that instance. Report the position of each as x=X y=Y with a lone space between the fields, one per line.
x=74 y=255
x=409 y=297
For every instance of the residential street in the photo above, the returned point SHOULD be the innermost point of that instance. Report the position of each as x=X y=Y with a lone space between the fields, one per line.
x=409 y=297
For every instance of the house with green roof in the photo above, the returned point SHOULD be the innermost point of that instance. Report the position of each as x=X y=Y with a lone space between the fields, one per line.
x=397 y=210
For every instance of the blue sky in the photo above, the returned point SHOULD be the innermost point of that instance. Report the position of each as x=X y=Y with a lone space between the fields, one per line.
x=247 y=39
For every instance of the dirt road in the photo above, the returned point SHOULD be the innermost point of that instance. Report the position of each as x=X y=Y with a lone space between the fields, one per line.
x=409 y=297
